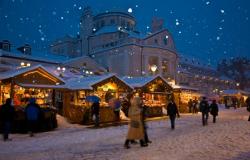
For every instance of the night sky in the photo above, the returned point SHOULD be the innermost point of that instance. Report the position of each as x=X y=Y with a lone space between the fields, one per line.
x=207 y=29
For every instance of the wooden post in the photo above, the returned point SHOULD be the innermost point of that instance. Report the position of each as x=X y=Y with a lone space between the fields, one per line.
x=12 y=84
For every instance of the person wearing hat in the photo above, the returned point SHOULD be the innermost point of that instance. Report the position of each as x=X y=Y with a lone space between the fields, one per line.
x=33 y=112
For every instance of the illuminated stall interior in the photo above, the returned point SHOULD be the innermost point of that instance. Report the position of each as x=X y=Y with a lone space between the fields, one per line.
x=155 y=90
x=240 y=95
x=24 y=83
x=105 y=87
x=182 y=94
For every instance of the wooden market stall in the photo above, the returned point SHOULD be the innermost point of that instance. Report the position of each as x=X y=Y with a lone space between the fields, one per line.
x=106 y=87
x=155 y=90
x=24 y=83
x=182 y=94
x=229 y=96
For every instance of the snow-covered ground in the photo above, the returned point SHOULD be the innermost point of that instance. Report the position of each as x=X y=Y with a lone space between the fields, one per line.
x=228 y=139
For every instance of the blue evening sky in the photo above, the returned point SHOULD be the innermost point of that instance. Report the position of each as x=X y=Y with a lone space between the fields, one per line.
x=206 y=29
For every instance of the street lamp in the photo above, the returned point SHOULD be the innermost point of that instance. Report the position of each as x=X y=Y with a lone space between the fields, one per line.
x=153 y=68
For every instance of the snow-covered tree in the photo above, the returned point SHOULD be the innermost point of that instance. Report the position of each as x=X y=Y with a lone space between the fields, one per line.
x=236 y=68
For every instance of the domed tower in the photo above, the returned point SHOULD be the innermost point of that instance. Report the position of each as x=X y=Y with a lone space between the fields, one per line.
x=86 y=30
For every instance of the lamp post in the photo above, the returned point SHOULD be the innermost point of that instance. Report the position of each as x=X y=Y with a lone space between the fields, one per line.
x=238 y=85
x=153 y=68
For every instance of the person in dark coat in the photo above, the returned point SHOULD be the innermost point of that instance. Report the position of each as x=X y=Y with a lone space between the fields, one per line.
x=7 y=114
x=190 y=105
x=204 y=108
x=195 y=105
x=172 y=111
x=146 y=139
x=33 y=115
x=214 y=109
x=248 y=106
x=95 y=112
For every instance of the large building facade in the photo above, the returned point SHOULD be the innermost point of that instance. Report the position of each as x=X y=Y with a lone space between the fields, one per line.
x=112 y=40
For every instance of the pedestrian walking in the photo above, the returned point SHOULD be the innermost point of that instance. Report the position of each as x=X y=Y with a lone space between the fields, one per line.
x=195 y=105
x=248 y=106
x=116 y=109
x=145 y=127
x=172 y=111
x=190 y=105
x=204 y=108
x=7 y=113
x=33 y=115
x=214 y=109
x=95 y=112
x=136 y=129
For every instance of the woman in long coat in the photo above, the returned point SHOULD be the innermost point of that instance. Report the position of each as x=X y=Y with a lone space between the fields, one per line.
x=136 y=128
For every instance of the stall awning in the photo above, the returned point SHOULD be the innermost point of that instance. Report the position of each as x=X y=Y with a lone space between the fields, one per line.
x=42 y=86
x=87 y=83
x=139 y=82
x=26 y=70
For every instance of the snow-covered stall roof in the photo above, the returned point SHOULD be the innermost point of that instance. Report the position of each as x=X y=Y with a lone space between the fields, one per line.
x=234 y=92
x=87 y=83
x=41 y=86
x=14 y=73
x=138 y=82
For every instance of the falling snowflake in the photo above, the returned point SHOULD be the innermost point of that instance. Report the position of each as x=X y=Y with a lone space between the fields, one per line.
x=177 y=23
x=179 y=32
x=62 y=18
x=217 y=38
x=148 y=27
x=130 y=10
x=54 y=13
x=220 y=28
x=5 y=16
x=42 y=39
x=222 y=11
x=167 y=37
x=136 y=6
x=156 y=9
x=197 y=34
x=207 y=3
x=80 y=8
